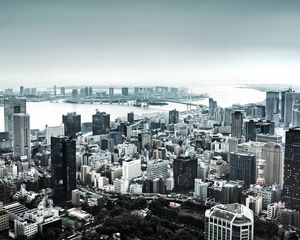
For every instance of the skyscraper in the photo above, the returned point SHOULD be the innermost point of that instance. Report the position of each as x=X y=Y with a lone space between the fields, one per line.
x=236 y=124
x=272 y=153
x=62 y=91
x=12 y=105
x=111 y=92
x=63 y=167
x=291 y=185
x=296 y=114
x=212 y=105
x=131 y=169
x=90 y=92
x=282 y=103
x=72 y=123
x=290 y=99
x=101 y=123
x=125 y=91
x=21 y=135
x=185 y=172
x=21 y=91
x=75 y=94
x=227 y=116
x=243 y=167
x=230 y=221
x=130 y=117
x=272 y=104
x=173 y=116
x=250 y=130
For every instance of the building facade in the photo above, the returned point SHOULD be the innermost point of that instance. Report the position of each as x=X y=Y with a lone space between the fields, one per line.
x=63 y=167
x=291 y=186
x=230 y=221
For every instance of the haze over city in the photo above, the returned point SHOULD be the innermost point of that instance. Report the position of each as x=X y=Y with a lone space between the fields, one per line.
x=146 y=120
x=148 y=42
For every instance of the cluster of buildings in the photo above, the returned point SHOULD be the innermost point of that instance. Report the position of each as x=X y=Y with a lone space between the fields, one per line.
x=241 y=160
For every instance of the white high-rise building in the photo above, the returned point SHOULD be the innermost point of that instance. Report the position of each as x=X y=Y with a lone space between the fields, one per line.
x=131 y=169
x=21 y=135
x=254 y=203
x=76 y=197
x=126 y=149
x=54 y=132
x=272 y=211
x=121 y=185
x=169 y=184
x=230 y=221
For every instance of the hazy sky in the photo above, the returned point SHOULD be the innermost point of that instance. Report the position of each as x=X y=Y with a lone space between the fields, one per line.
x=183 y=42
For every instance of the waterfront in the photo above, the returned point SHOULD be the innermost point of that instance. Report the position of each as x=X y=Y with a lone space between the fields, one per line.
x=47 y=113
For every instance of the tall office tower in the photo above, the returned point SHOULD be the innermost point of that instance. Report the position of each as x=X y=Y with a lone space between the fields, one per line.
x=83 y=92
x=72 y=123
x=272 y=153
x=173 y=116
x=75 y=94
x=212 y=105
x=282 y=103
x=63 y=167
x=130 y=117
x=86 y=91
x=250 y=130
x=21 y=135
x=90 y=91
x=201 y=189
x=230 y=221
x=236 y=124
x=227 y=116
x=12 y=105
x=101 y=123
x=62 y=91
x=125 y=91
x=296 y=114
x=21 y=91
x=111 y=92
x=54 y=90
x=243 y=167
x=157 y=169
x=5 y=191
x=290 y=99
x=272 y=105
x=291 y=183
x=185 y=172
x=131 y=169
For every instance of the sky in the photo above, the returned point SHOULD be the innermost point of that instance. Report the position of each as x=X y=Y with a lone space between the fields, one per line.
x=141 y=42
